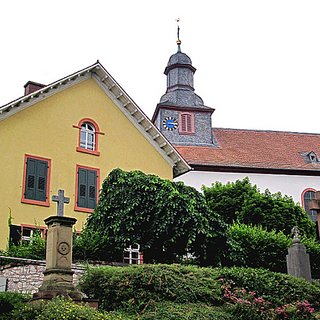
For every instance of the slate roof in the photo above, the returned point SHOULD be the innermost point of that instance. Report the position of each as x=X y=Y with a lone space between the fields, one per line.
x=256 y=151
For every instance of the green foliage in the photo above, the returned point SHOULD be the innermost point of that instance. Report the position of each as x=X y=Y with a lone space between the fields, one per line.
x=191 y=311
x=145 y=290
x=277 y=288
x=241 y=201
x=253 y=246
x=137 y=287
x=228 y=199
x=167 y=219
x=301 y=310
x=313 y=248
x=34 y=249
x=59 y=308
x=9 y=301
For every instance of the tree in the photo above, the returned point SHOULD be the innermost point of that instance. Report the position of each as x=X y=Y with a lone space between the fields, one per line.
x=241 y=201
x=167 y=219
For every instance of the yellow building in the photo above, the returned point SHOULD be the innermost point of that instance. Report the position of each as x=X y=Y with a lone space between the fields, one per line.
x=69 y=135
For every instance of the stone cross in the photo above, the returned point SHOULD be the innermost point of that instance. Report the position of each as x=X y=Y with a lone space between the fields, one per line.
x=61 y=200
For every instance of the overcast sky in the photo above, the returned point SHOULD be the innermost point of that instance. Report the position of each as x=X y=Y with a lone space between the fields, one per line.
x=258 y=62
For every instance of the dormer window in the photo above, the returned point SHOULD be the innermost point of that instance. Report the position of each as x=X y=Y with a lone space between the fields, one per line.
x=313 y=157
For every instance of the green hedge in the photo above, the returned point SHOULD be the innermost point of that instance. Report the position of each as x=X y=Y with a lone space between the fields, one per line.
x=60 y=308
x=277 y=288
x=191 y=311
x=137 y=286
x=253 y=246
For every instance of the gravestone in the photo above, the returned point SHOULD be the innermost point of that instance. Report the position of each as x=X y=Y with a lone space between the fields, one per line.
x=298 y=261
x=3 y=284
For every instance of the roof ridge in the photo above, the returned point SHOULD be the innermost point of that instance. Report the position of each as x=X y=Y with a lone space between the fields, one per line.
x=266 y=130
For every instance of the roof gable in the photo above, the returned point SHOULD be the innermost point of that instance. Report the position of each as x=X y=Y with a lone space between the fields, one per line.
x=120 y=98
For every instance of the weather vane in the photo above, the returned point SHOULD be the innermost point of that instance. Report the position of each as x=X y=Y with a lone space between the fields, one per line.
x=178 y=34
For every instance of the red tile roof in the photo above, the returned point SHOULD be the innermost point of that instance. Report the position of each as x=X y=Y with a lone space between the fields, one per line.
x=256 y=149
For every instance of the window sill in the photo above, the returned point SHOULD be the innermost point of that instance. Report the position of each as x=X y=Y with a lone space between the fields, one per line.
x=187 y=133
x=36 y=202
x=93 y=152
x=88 y=210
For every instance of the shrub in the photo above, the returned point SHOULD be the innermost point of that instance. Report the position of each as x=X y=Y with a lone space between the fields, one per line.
x=299 y=311
x=167 y=219
x=253 y=246
x=137 y=286
x=243 y=202
x=34 y=249
x=313 y=248
x=190 y=311
x=247 y=305
x=59 y=308
x=277 y=288
x=10 y=301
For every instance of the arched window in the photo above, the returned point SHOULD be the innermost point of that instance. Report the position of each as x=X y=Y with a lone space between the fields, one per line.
x=307 y=196
x=186 y=123
x=88 y=136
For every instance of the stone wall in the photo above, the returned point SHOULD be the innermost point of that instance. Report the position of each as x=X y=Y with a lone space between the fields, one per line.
x=26 y=277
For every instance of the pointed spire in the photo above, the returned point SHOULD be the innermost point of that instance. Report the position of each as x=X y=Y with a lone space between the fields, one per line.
x=178 y=35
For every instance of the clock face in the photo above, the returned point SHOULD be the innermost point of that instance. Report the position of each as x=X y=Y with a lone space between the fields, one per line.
x=170 y=123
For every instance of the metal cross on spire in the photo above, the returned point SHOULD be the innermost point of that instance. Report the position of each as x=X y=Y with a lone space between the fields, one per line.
x=178 y=35
x=61 y=200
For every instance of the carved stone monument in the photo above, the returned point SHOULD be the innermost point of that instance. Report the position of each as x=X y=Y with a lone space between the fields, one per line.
x=298 y=261
x=58 y=276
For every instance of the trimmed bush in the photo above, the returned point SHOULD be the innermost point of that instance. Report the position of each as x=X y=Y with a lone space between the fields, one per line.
x=137 y=286
x=253 y=246
x=59 y=308
x=277 y=288
x=191 y=311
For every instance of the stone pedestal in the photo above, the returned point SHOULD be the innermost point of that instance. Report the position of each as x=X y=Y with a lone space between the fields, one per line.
x=298 y=261
x=58 y=276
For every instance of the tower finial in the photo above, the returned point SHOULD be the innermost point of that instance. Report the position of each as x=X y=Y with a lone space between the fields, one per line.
x=178 y=34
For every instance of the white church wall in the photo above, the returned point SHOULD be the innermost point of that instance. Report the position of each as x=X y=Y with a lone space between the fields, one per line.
x=290 y=185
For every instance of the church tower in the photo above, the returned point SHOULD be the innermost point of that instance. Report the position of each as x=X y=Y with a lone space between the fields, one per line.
x=181 y=115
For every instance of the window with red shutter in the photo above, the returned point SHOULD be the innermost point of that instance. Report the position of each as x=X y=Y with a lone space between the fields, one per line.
x=186 y=123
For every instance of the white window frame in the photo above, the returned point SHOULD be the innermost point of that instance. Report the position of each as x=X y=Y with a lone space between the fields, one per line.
x=89 y=131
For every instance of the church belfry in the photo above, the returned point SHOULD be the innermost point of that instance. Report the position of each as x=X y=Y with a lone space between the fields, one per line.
x=181 y=115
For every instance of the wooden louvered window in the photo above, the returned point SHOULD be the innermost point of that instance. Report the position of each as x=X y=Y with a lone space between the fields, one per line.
x=87 y=188
x=186 y=123
x=36 y=180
